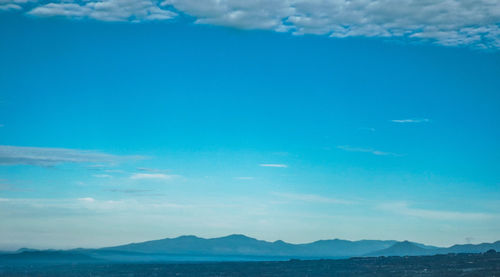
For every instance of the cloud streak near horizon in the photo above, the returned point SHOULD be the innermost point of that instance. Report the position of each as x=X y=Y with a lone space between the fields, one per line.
x=366 y=150
x=274 y=165
x=43 y=156
x=403 y=208
x=151 y=176
x=313 y=198
x=474 y=23
x=411 y=120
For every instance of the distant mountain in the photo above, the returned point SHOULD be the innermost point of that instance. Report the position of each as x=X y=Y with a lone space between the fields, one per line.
x=46 y=257
x=341 y=248
x=472 y=248
x=24 y=249
x=239 y=248
x=407 y=248
x=404 y=248
x=240 y=245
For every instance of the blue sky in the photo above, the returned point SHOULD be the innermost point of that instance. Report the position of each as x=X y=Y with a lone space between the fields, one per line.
x=114 y=132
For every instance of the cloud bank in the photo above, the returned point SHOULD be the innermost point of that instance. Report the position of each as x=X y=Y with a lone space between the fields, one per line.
x=109 y=10
x=474 y=23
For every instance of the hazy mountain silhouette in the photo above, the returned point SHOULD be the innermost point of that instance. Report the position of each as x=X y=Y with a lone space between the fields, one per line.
x=47 y=257
x=245 y=246
x=407 y=248
x=240 y=247
x=404 y=248
x=472 y=248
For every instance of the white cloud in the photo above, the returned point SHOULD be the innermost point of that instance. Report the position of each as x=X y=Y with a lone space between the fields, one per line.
x=15 y=1
x=130 y=191
x=40 y=156
x=370 y=129
x=411 y=120
x=404 y=209
x=274 y=165
x=108 y=10
x=243 y=178
x=147 y=169
x=86 y=199
x=446 y=22
x=31 y=207
x=113 y=171
x=102 y=176
x=257 y=14
x=9 y=7
x=151 y=176
x=313 y=198
x=6 y=187
x=366 y=150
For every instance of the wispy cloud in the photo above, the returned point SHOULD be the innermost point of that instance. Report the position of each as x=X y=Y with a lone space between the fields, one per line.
x=86 y=199
x=369 y=129
x=10 y=7
x=404 y=209
x=114 y=171
x=97 y=166
x=274 y=165
x=313 y=198
x=411 y=120
x=102 y=176
x=41 y=156
x=130 y=191
x=151 y=176
x=10 y=187
x=5 y=187
x=31 y=207
x=366 y=150
x=107 y=10
x=147 y=169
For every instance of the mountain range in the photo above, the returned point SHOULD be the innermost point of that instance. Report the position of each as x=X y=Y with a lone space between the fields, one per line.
x=240 y=247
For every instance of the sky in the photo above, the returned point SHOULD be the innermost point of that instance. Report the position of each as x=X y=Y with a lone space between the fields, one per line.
x=125 y=121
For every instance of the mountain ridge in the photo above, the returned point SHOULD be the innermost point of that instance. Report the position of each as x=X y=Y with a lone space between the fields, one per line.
x=238 y=244
x=240 y=247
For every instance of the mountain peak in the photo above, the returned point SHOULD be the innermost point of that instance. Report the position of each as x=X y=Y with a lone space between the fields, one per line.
x=237 y=237
x=405 y=243
x=187 y=237
x=402 y=248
